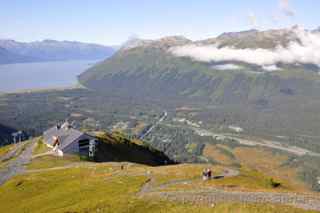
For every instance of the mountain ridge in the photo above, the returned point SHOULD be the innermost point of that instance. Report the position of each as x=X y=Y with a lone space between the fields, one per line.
x=7 y=57
x=153 y=67
x=52 y=50
x=271 y=97
x=288 y=33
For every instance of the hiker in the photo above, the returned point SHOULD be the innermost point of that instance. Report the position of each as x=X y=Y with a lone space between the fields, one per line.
x=206 y=174
x=209 y=174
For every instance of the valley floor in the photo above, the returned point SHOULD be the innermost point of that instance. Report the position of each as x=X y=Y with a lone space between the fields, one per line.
x=51 y=184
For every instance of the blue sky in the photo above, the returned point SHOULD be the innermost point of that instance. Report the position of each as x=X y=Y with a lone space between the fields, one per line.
x=114 y=21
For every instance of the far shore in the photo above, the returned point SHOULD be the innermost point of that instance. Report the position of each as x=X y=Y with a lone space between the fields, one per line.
x=41 y=90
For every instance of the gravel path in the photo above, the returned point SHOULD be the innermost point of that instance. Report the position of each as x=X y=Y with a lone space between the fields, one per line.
x=16 y=166
x=12 y=152
x=197 y=197
x=149 y=185
x=211 y=196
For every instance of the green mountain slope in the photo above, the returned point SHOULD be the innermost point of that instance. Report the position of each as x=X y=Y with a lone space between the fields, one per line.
x=282 y=102
x=151 y=70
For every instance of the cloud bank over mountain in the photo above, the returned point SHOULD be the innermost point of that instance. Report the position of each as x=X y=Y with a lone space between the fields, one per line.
x=304 y=51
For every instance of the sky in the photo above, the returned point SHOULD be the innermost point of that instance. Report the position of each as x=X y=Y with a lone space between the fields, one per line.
x=112 y=22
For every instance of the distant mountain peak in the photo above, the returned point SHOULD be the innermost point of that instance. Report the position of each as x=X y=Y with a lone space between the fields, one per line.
x=49 y=41
x=239 y=34
x=134 y=42
x=52 y=50
x=164 y=42
x=174 y=39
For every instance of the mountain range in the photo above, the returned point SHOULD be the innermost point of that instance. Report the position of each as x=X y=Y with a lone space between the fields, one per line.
x=7 y=57
x=267 y=80
x=51 y=50
x=169 y=67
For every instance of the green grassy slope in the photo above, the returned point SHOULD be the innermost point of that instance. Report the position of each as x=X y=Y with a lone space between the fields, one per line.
x=152 y=71
x=105 y=188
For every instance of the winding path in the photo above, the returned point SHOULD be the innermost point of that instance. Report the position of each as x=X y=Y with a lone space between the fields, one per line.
x=207 y=197
x=211 y=196
x=12 y=152
x=17 y=166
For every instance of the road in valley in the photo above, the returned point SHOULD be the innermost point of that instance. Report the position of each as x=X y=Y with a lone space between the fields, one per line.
x=149 y=129
x=258 y=142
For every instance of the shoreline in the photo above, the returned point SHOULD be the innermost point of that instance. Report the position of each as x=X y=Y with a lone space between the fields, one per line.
x=40 y=90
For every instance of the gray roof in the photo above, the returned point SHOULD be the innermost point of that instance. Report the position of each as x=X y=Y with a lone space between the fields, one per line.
x=66 y=136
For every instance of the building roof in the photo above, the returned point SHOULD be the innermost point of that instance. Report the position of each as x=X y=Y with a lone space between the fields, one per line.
x=66 y=134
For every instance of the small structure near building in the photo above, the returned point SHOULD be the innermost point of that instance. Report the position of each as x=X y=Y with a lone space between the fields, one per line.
x=65 y=139
x=19 y=136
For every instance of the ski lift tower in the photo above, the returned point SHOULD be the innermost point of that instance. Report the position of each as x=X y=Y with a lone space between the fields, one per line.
x=17 y=137
x=20 y=136
x=14 y=136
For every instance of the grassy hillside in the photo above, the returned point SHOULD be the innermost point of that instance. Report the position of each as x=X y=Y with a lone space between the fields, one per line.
x=67 y=184
x=5 y=149
x=299 y=172
x=108 y=188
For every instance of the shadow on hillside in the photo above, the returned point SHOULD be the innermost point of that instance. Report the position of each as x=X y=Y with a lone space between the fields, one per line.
x=114 y=148
x=218 y=177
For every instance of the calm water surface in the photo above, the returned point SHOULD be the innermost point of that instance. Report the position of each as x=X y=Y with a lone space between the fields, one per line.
x=25 y=76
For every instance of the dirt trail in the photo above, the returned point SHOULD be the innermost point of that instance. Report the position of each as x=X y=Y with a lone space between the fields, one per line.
x=12 y=152
x=211 y=196
x=43 y=154
x=17 y=166
x=207 y=197
x=227 y=172
x=149 y=187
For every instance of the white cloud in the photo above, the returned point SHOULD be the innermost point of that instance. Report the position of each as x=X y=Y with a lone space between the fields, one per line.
x=270 y=68
x=286 y=8
x=226 y=67
x=307 y=51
